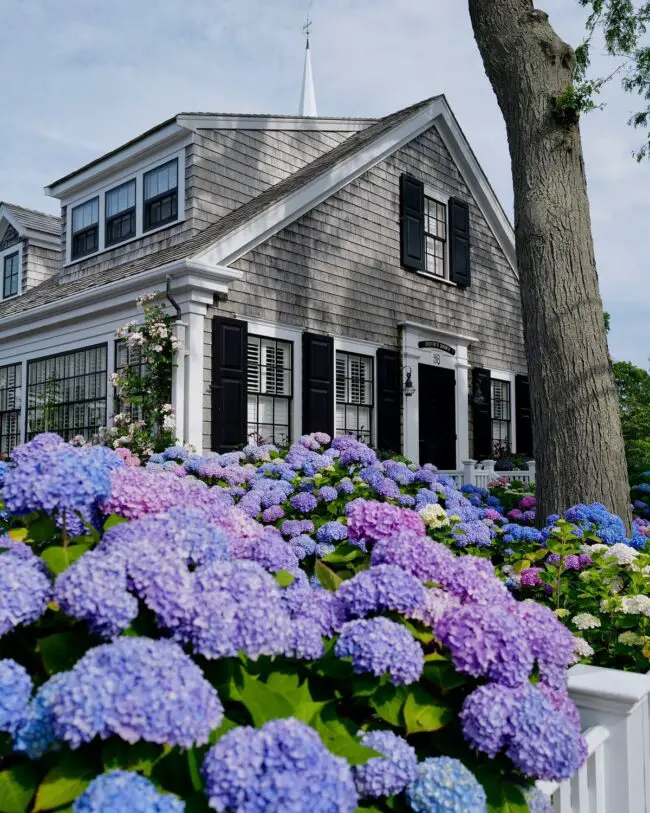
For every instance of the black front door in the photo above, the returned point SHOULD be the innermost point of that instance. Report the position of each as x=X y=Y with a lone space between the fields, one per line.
x=437 y=405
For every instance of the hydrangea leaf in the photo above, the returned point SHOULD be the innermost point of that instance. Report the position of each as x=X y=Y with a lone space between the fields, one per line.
x=327 y=577
x=112 y=521
x=17 y=787
x=226 y=726
x=443 y=675
x=423 y=712
x=388 y=703
x=284 y=578
x=42 y=528
x=59 y=559
x=339 y=739
x=141 y=757
x=65 y=781
x=262 y=702
x=18 y=534
x=501 y=796
x=344 y=553
x=61 y=651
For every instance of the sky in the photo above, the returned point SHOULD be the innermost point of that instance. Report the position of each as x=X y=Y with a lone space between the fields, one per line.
x=84 y=76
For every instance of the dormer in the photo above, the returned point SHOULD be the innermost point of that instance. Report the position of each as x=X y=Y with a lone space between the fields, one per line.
x=30 y=248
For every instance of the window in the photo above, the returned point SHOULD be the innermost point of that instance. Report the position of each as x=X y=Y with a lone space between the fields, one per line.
x=11 y=381
x=67 y=393
x=120 y=213
x=354 y=395
x=270 y=364
x=161 y=195
x=501 y=416
x=85 y=229
x=131 y=357
x=11 y=275
x=435 y=235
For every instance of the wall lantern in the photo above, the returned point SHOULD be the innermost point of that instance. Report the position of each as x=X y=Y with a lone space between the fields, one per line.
x=407 y=388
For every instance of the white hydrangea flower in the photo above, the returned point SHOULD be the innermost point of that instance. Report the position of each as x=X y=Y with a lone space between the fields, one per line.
x=434 y=516
x=561 y=613
x=586 y=621
x=582 y=648
x=591 y=549
x=169 y=423
x=630 y=639
x=621 y=553
x=636 y=605
x=615 y=584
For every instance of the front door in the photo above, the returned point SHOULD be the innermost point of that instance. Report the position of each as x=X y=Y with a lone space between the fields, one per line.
x=437 y=407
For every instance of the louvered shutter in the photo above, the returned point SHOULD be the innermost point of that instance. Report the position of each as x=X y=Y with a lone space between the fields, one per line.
x=389 y=401
x=459 y=260
x=482 y=413
x=317 y=384
x=230 y=362
x=412 y=222
x=523 y=416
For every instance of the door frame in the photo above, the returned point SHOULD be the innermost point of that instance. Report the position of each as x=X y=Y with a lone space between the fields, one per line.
x=412 y=356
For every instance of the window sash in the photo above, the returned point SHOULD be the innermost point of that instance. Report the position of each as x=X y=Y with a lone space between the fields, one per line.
x=85 y=216
x=11 y=381
x=270 y=390
x=120 y=213
x=501 y=398
x=435 y=236
x=132 y=357
x=354 y=395
x=161 y=180
x=10 y=275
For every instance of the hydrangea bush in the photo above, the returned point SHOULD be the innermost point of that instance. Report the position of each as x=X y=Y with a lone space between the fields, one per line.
x=313 y=630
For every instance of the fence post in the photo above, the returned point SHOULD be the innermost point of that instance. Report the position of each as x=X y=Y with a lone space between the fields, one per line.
x=531 y=470
x=619 y=702
x=469 y=472
x=488 y=468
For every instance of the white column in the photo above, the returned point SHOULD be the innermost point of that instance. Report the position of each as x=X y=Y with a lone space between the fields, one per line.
x=178 y=380
x=411 y=411
x=194 y=317
x=110 y=390
x=462 y=404
x=23 y=402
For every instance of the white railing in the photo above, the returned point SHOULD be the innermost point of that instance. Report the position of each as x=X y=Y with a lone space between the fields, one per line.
x=481 y=474
x=615 y=713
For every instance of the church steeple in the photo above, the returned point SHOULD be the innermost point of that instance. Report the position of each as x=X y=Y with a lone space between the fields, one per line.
x=308 y=94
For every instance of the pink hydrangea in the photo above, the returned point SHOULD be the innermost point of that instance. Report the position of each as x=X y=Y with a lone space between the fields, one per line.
x=369 y=521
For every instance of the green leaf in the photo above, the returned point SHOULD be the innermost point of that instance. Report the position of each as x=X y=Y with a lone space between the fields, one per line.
x=59 y=559
x=423 y=712
x=226 y=726
x=195 y=771
x=502 y=797
x=327 y=577
x=113 y=520
x=141 y=757
x=388 y=702
x=61 y=651
x=262 y=702
x=443 y=675
x=65 y=781
x=343 y=554
x=42 y=528
x=17 y=787
x=339 y=739
x=284 y=578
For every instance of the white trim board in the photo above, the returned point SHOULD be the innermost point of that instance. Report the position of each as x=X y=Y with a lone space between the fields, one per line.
x=217 y=121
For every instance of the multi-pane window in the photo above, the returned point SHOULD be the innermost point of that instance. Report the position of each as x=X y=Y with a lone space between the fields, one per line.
x=161 y=195
x=67 y=393
x=501 y=416
x=11 y=382
x=10 y=275
x=270 y=365
x=354 y=395
x=120 y=213
x=131 y=357
x=435 y=235
x=85 y=228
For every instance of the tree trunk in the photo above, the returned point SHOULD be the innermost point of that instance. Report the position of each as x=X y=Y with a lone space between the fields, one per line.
x=577 y=432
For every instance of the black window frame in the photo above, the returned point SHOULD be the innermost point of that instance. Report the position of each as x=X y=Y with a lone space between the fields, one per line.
x=61 y=387
x=435 y=237
x=501 y=426
x=133 y=359
x=125 y=215
x=365 y=436
x=84 y=234
x=15 y=255
x=11 y=396
x=148 y=204
x=253 y=427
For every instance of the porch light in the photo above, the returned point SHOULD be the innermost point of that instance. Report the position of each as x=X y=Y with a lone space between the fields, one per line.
x=407 y=388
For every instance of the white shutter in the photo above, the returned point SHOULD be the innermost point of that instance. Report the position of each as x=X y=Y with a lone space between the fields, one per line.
x=253 y=365
x=341 y=369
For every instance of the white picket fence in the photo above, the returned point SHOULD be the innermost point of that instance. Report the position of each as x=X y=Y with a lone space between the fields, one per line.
x=481 y=474
x=615 y=713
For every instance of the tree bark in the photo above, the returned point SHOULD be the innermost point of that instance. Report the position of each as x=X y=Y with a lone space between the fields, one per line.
x=577 y=431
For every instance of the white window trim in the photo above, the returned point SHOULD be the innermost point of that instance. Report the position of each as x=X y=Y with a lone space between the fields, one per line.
x=6 y=252
x=362 y=348
x=136 y=174
x=440 y=197
x=502 y=375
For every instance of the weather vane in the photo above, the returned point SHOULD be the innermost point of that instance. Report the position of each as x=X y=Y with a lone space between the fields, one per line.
x=307 y=27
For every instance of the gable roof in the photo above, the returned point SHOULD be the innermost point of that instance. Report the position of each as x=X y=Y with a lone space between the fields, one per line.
x=30 y=219
x=237 y=232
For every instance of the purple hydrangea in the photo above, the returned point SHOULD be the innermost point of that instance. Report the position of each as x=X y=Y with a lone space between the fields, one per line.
x=125 y=790
x=486 y=641
x=282 y=766
x=370 y=521
x=550 y=641
x=15 y=695
x=304 y=502
x=302 y=546
x=445 y=785
x=427 y=560
x=272 y=514
x=332 y=532
x=346 y=486
x=381 y=588
x=24 y=589
x=294 y=527
x=305 y=640
x=41 y=444
x=327 y=494
x=473 y=580
x=475 y=533
x=390 y=774
x=318 y=605
x=380 y=646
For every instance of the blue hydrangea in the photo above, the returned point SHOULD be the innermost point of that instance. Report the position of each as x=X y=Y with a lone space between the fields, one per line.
x=475 y=533
x=133 y=688
x=380 y=646
x=346 y=486
x=406 y=501
x=35 y=734
x=324 y=549
x=332 y=532
x=316 y=604
x=305 y=640
x=304 y=502
x=302 y=546
x=537 y=801
x=124 y=790
x=390 y=774
x=521 y=533
x=486 y=718
x=381 y=588
x=294 y=527
x=327 y=493
x=282 y=766
x=15 y=695
x=425 y=496
x=24 y=589
x=445 y=785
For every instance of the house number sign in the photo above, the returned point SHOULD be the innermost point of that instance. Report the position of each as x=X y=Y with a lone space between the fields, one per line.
x=431 y=345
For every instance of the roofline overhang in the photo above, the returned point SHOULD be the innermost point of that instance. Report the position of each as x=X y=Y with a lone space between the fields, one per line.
x=215 y=121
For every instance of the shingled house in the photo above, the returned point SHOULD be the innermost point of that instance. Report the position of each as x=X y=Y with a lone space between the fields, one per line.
x=335 y=274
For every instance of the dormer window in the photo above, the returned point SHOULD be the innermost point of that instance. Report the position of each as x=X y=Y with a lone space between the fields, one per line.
x=85 y=229
x=10 y=274
x=120 y=213
x=161 y=196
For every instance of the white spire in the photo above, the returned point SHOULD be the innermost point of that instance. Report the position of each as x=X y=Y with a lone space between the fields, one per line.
x=308 y=94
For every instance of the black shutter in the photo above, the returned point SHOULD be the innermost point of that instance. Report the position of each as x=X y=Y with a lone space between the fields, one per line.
x=229 y=383
x=389 y=401
x=317 y=384
x=523 y=416
x=412 y=222
x=482 y=413
x=459 y=264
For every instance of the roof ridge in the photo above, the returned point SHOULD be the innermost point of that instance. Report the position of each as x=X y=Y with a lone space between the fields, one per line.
x=28 y=209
